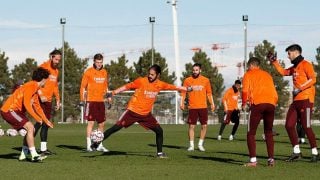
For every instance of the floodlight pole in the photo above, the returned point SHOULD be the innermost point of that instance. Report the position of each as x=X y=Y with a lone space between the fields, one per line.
x=245 y=20
x=152 y=20
x=62 y=22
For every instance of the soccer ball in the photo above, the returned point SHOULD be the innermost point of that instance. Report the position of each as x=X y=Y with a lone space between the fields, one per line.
x=96 y=136
x=11 y=132
x=1 y=132
x=22 y=132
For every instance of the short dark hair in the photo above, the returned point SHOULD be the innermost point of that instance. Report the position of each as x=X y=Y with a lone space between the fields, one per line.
x=55 y=52
x=197 y=64
x=156 y=68
x=237 y=82
x=294 y=47
x=97 y=57
x=39 y=74
x=254 y=61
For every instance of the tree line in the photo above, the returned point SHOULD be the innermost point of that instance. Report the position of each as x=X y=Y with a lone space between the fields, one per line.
x=120 y=73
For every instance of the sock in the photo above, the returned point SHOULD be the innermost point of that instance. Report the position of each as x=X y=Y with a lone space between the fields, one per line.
x=296 y=149
x=200 y=142
x=33 y=151
x=314 y=151
x=88 y=142
x=191 y=143
x=25 y=150
x=43 y=146
x=253 y=159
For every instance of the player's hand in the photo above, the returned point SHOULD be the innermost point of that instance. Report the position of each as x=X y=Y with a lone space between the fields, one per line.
x=58 y=105
x=108 y=105
x=271 y=56
x=295 y=92
x=189 y=89
x=49 y=124
x=81 y=103
x=182 y=107
x=244 y=107
x=226 y=121
x=213 y=108
x=109 y=94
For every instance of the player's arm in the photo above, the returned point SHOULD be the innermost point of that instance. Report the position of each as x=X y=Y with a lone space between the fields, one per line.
x=183 y=96
x=224 y=100
x=83 y=86
x=57 y=95
x=245 y=89
x=132 y=85
x=209 y=95
x=280 y=69
x=39 y=111
x=311 y=75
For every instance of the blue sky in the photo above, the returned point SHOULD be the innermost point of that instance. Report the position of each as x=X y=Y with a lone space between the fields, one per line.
x=31 y=28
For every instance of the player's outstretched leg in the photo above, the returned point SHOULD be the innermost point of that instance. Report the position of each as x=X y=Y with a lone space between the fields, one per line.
x=107 y=133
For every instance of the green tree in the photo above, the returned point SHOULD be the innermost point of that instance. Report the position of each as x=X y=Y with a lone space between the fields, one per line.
x=316 y=114
x=144 y=62
x=5 y=81
x=118 y=72
x=208 y=71
x=74 y=68
x=24 y=70
x=261 y=51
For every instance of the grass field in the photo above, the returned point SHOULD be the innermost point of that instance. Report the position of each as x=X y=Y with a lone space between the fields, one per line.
x=132 y=157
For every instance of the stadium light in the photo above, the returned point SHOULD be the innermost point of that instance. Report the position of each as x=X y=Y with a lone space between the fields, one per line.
x=152 y=20
x=63 y=21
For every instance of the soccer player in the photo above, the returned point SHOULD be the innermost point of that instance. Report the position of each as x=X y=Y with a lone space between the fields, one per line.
x=231 y=111
x=258 y=88
x=304 y=79
x=197 y=104
x=94 y=86
x=140 y=106
x=46 y=93
x=25 y=99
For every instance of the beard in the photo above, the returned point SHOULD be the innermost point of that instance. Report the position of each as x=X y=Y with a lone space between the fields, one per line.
x=53 y=65
x=195 y=75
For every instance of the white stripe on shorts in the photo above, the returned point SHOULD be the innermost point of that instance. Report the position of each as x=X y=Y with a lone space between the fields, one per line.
x=16 y=116
x=308 y=118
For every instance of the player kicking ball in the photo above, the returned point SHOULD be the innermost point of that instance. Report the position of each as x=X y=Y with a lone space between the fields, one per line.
x=140 y=106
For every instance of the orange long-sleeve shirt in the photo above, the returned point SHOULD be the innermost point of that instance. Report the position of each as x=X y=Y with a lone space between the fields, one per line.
x=26 y=97
x=145 y=94
x=230 y=99
x=258 y=87
x=201 y=90
x=51 y=87
x=303 y=77
x=95 y=83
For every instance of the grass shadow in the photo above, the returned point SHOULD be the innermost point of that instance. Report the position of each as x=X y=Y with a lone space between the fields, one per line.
x=217 y=159
x=64 y=146
x=169 y=146
x=9 y=156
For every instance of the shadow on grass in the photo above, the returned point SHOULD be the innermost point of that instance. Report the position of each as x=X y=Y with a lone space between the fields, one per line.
x=9 y=156
x=63 y=146
x=169 y=146
x=218 y=159
x=17 y=148
x=117 y=153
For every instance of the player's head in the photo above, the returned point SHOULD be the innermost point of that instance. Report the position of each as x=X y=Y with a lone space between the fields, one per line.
x=237 y=84
x=196 y=70
x=98 y=61
x=154 y=72
x=253 y=62
x=293 y=51
x=40 y=75
x=55 y=57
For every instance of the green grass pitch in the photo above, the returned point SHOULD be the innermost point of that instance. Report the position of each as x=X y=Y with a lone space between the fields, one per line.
x=133 y=150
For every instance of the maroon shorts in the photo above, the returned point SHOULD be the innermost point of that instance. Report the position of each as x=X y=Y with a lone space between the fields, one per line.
x=47 y=108
x=195 y=114
x=16 y=119
x=95 y=111
x=128 y=118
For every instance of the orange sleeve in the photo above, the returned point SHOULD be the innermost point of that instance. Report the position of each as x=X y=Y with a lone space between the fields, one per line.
x=28 y=101
x=56 y=91
x=209 y=92
x=281 y=70
x=83 y=86
x=311 y=76
x=38 y=109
